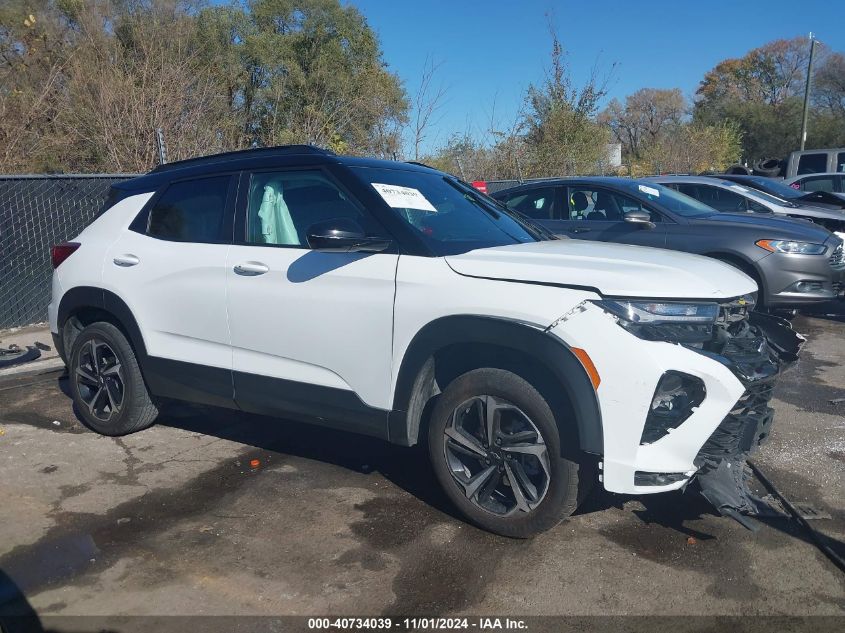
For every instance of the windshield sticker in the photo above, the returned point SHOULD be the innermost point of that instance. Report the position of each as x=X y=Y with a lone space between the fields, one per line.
x=403 y=197
x=649 y=190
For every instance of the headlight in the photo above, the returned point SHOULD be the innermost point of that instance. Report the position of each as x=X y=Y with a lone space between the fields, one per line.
x=673 y=322
x=791 y=247
x=654 y=313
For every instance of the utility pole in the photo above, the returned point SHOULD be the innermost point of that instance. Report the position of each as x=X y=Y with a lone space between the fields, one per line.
x=807 y=91
x=162 y=149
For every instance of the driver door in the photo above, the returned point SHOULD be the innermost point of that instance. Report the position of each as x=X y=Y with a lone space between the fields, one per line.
x=597 y=213
x=310 y=330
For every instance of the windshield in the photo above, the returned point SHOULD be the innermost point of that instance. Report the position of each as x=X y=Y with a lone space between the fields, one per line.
x=668 y=198
x=762 y=195
x=773 y=187
x=449 y=216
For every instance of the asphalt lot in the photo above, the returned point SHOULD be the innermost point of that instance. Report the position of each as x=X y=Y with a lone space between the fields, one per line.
x=179 y=519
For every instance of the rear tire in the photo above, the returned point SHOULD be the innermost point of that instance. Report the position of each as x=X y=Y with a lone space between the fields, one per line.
x=108 y=389
x=504 y=470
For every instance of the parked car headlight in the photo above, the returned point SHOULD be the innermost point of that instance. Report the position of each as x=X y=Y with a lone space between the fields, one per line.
x=670 y=321
x=638 y=312
x=791 y=247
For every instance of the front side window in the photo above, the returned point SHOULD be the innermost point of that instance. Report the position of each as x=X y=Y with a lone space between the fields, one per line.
x=191 y=211
x=601 y=205
x=283 y=206
x=840 y=161
x=449 y=216
x=812 y=164
x=538 y=204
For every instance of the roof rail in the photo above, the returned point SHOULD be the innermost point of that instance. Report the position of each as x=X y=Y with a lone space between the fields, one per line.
x=244 y=153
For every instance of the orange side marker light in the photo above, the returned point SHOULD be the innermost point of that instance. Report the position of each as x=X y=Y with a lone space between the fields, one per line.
x=587 y=362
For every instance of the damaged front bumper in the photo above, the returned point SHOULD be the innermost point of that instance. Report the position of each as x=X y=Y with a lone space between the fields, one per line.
x=757 y=351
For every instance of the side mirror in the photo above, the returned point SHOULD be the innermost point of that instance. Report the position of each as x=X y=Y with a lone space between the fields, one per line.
x=343 y=235
x=639 y=217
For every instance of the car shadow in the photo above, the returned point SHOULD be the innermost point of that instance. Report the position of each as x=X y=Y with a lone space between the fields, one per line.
x=407 y=468
x=830 y=311
x=410 y=470
x=16 y=614
x=315 y=263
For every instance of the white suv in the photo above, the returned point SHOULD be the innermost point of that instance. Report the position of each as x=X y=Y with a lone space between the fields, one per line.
x=393 y=300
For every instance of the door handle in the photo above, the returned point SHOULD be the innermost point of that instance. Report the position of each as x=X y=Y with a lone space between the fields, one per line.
x=126 y=260
x=251 y=269
x=579 y=229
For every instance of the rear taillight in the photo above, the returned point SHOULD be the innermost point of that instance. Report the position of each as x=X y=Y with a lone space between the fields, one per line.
x=481 y=185
x=60 y=252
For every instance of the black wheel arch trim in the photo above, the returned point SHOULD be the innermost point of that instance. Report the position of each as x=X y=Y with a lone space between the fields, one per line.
x=404 y=419
x=98 y=298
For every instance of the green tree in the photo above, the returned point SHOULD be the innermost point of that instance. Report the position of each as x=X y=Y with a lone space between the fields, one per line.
x=84 y=84
x=762 y=93
x=560 y=124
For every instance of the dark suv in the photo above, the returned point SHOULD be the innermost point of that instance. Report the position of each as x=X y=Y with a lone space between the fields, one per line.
x=794 y=263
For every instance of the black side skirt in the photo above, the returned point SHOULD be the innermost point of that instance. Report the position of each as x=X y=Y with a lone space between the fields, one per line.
x=276 y=397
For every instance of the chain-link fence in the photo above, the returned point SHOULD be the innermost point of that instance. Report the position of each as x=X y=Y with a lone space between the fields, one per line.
x=36 y=212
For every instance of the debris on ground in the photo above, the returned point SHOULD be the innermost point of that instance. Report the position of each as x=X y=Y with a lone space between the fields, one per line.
x=15 y=355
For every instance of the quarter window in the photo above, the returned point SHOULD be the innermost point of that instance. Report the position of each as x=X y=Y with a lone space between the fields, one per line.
x=191 y=211
x=282 y=207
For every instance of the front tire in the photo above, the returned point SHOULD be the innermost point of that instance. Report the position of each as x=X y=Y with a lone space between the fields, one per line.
x=495 y=449
x=108 y=389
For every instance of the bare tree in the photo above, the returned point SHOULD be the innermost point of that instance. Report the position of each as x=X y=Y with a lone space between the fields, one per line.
x=428 y=102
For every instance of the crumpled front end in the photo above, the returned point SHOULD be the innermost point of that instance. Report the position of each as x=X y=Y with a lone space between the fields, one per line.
x=757 y=348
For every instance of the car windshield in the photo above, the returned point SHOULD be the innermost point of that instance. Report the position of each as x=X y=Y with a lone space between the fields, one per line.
x=450 y=216
x=668 y=198
x=757 y=193
x=772 y=187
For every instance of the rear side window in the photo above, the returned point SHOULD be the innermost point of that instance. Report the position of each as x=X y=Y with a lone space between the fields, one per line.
x=538 y=204
x=822 y=183
x=840 y=161
x=191 y=211
x=812 y=164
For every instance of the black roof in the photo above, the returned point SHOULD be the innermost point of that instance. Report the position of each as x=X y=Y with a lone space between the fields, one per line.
x=255 y=158
x=256 y=152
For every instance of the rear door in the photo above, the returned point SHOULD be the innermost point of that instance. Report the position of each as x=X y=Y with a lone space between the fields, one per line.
x=170 y=269
x=598 y=213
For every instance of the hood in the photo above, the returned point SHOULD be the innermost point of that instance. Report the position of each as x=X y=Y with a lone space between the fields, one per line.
x=824 y=199
x=613 y=269
x=809 y=211
x=774 y=226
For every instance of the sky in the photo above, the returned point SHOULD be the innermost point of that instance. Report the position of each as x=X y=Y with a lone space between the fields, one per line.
x=491 y=51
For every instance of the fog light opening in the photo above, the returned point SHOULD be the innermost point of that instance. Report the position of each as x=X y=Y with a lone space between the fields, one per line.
x=642 y=478
x=806 y=286
x=675 y=399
